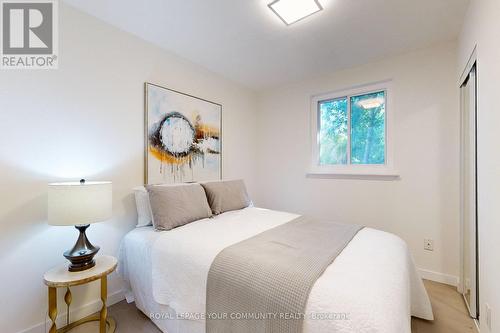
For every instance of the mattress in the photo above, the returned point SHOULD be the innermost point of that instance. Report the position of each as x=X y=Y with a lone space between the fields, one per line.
x=372 y=286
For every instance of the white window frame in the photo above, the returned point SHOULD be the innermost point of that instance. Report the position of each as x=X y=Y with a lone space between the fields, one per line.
x=387 y=170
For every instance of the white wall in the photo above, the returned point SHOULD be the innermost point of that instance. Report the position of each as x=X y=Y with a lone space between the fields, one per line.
x=423 y=203
x=86 y=120
x=482 y=27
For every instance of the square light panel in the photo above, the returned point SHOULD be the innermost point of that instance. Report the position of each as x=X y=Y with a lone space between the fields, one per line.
x=291 y=11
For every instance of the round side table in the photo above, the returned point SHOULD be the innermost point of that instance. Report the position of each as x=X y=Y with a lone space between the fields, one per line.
x=60 y=277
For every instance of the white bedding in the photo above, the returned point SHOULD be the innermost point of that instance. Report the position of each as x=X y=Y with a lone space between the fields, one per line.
x=373 y=281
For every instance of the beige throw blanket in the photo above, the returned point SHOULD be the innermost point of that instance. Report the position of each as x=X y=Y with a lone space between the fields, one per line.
x=262 y=284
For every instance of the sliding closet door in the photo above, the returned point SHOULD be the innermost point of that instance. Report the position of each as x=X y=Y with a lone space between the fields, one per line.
x=469 y=283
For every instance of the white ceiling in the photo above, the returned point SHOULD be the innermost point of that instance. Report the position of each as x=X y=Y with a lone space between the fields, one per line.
x=244 y=41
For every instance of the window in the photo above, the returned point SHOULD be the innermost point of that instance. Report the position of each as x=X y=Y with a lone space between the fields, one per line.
x=352 y=130
x=350 y=133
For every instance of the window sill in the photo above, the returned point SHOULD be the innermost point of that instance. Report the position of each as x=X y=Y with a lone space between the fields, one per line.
x=355 y=174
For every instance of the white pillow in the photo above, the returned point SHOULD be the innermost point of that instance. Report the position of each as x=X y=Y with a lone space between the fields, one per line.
x=144 y=216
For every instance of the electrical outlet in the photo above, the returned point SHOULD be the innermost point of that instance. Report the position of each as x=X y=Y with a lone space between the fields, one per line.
x=488 y=316
x=428 y=244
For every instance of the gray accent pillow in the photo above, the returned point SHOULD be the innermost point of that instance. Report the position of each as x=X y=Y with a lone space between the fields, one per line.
x=176 y=205
x=226 y=195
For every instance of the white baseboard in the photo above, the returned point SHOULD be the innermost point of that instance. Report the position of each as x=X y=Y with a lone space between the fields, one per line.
x=77 y=313
x=452 y=280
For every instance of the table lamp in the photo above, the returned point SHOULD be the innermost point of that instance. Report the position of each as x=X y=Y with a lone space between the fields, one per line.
x=79 y=204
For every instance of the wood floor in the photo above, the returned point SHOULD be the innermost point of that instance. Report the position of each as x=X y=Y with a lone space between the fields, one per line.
x=449 y=312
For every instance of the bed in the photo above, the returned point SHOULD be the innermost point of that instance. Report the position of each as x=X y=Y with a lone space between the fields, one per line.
x=372 y=286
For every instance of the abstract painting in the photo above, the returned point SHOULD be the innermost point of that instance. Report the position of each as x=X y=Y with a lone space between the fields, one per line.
x=183 y=137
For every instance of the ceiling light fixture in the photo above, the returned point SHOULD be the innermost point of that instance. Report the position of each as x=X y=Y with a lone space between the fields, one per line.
x=291 y=11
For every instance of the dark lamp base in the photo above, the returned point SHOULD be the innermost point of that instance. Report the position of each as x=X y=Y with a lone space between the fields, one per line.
x=82 y=254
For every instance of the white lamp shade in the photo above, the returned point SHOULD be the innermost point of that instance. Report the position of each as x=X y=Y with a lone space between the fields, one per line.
x=77 y=204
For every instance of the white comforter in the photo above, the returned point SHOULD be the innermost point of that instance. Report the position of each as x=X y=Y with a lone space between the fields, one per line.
x=373 y=282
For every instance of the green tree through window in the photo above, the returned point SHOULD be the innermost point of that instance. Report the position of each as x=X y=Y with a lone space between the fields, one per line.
x=333 y=131
x=366 y=133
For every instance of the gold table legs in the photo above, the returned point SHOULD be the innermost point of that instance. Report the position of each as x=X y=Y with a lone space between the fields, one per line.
x=109 y=323
x=104 y=310
x=53 y=309
x=67 y=299
x=102 y=316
